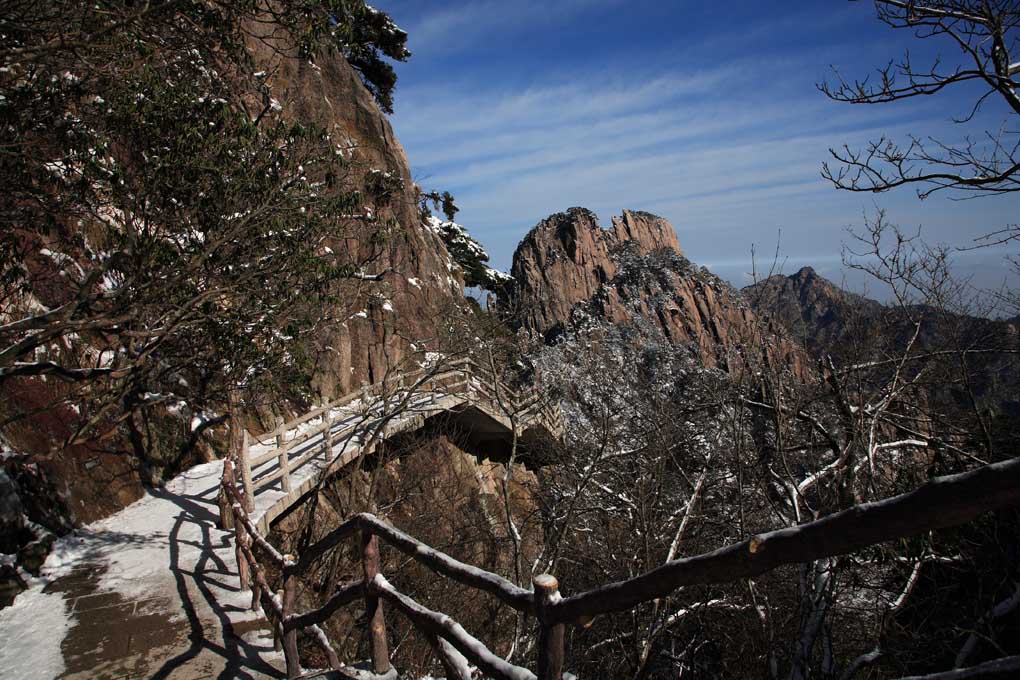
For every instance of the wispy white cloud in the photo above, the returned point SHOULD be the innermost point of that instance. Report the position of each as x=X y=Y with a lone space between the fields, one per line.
x=728 y=149
x=668 y=140
x=462 y=25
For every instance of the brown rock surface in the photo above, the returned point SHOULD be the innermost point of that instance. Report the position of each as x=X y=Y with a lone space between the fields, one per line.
x=570 y=272
x=813 y=309
x=421 y=284
x=375 y=325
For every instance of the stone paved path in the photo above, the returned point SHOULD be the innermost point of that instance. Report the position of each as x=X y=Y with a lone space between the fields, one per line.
x=150 y=592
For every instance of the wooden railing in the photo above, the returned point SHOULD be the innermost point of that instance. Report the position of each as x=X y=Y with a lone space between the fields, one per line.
x=422 y=392
x=464 y=381
x=942 y=502
x=958 y=498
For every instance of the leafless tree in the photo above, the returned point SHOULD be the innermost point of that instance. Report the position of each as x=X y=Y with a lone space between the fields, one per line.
x=984 y=34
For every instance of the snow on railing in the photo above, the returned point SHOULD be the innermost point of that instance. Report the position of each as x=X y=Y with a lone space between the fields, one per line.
x=467 y=383
x=464 y=377
x=959 y=499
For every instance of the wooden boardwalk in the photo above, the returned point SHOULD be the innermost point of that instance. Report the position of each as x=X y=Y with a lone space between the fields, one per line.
x=151 y=592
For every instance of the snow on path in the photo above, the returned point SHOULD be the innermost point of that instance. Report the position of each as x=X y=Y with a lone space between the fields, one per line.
x=30 y=634
x=141 y=552
x=163 y=552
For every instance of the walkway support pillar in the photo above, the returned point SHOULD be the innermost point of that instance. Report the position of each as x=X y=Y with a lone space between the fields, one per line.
x=550 y=637
x=373 y=605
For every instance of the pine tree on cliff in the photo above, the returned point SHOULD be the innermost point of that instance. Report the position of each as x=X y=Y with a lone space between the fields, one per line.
x=171 y=233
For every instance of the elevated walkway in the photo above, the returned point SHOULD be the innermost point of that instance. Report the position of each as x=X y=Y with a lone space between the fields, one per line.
x=151 y=592
x=277 y=469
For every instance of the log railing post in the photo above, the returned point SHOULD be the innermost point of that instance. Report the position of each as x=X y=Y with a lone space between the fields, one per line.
x=327 y=436
x=225 y=501
x=290 y=645
x=243 y=568
x=373 y=605
x=550 y=636
x=283 y=459
x=244 y=460
x=256 y=586
x=277 y=627
x=229 y=522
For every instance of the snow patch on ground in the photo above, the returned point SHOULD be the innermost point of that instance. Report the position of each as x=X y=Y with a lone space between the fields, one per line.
x=31 y=631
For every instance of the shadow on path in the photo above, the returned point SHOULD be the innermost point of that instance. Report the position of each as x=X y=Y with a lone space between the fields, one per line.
x=197 y=563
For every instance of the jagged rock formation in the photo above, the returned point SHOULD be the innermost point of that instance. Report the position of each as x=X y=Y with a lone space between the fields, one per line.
x=569 y=272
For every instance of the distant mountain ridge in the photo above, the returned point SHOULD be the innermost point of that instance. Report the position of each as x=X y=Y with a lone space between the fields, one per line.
x=978 y=355
x=813 y=309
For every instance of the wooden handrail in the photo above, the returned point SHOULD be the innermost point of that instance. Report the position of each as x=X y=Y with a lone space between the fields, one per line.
x=526 y=402
x=939 y=503
x=463 y=377
x=451 y=631
x=344 y=595
x=494 y=584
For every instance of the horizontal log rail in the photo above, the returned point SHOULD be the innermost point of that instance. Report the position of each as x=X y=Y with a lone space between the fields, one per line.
x=442 y=626
x=438 y=561
x=942 y=502
x=939 y=503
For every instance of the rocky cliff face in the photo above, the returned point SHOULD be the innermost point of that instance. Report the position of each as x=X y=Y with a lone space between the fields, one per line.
x=421 y=283
x=569 y=272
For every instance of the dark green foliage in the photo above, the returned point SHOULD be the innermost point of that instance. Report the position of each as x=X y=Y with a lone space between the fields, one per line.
x=440 y=201
x=365 y=36
x=463 y=248
x=163 y=240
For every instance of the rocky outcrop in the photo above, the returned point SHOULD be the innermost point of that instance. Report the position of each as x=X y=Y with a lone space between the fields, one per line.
x=567 y=258
x=375 y=320
x=569 y=273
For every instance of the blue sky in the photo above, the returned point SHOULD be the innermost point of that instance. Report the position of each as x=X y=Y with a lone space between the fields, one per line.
x=704 y=113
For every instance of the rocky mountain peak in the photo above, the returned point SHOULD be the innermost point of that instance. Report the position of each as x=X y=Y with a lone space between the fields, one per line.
x=805 y=274
x=568 y=256
x=649 y=231
x=570 y=274
x=812 y=308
